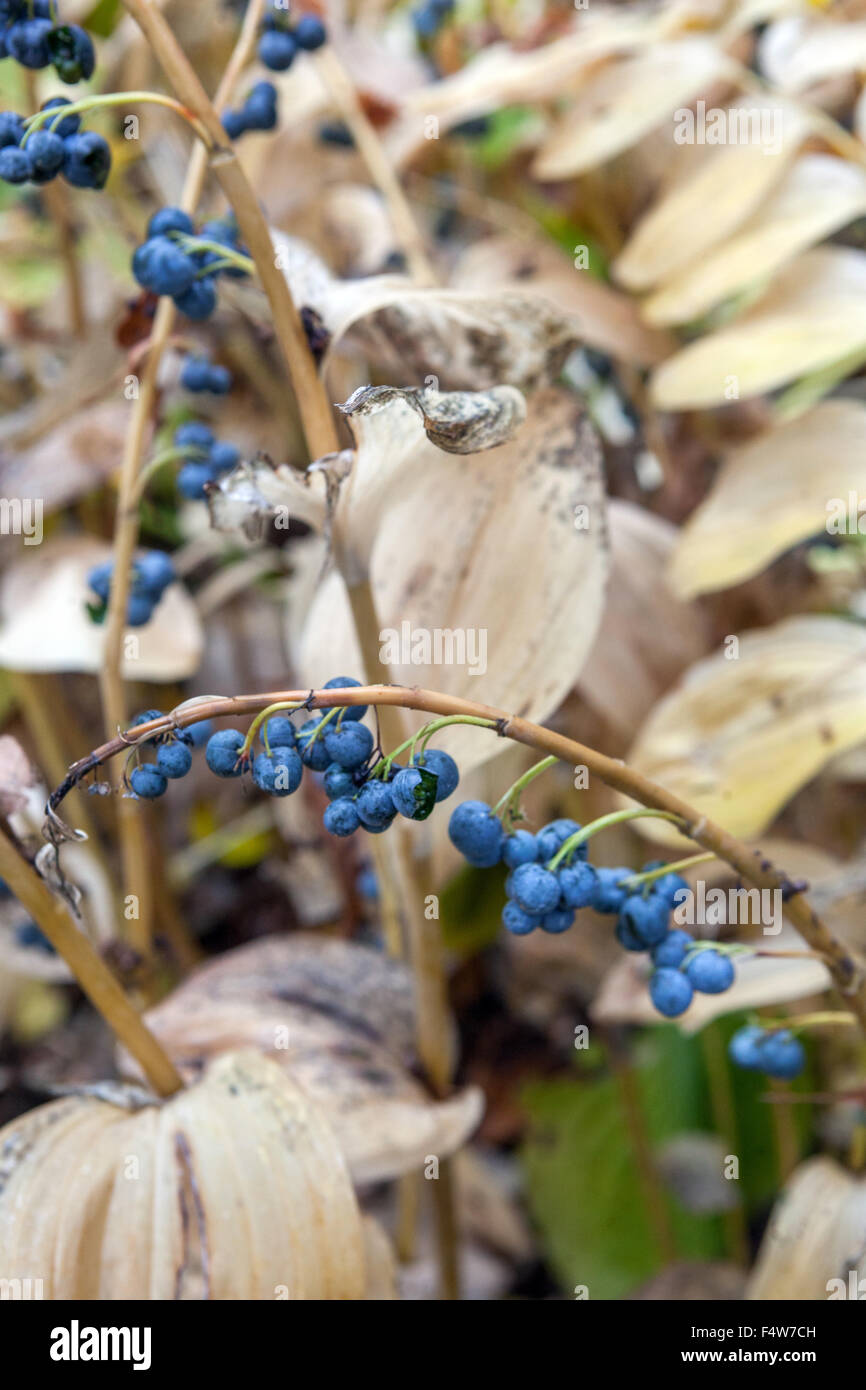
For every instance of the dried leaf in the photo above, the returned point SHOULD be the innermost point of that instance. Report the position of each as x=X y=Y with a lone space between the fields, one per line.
x=746 y=728
x=797 y=52
x=337 y=1017
x=733 y=178
x=810 y=317
x=626 y=100
x=459 y=422
x=45 y=626
x=71 y=459
x=817 y=1234
x=771 y=493
x=16 y=776
x=817 y=196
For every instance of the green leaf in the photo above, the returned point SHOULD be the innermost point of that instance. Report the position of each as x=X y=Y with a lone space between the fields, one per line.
x=102 y=19
x=424 y=794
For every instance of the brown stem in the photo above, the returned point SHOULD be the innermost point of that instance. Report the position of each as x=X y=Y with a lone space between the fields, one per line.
x=749 y=863
x=89 y=969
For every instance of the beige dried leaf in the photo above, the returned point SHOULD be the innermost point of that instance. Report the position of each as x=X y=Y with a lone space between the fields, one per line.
x=797 y=52
x=647 y=637
x=431 y=529
x=734 y=179
x=811 y=317
x=817 y=1234
x=337 y=1017
x=817 y=196
x=17 y=776
x=458 y=422
x=626 y=100
x=771 y=493
x=738 y=737
x=44 y=624
x=240 y=1191
x=73 y=457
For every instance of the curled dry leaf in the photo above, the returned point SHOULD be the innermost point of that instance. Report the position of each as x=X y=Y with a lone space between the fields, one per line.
x=624 y=998
x=431 y=528
x=606 y=318
x=463 y=339
x=45 y=626
x=738 y=737
x=818 y=195
x=647 y=637
x=797 y=52
x=771 y=493
x=625 y=100
x=72 y=457
x=17 y=776
x=816 y=1235
x=460 y=422
x=810 y=317
x=337 y=1017
x=241 y=1191
x=732 y=178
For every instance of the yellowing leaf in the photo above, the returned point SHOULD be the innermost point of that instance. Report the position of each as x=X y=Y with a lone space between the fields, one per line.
x=814 y=314
x=747 y=728
x=771 y=493
x=818 y=195
x=626 y=100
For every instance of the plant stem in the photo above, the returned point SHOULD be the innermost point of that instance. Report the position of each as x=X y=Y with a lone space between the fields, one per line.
x=52 y=117
x=593 y=827
x=637 y=880
x=747 y=862
x=513 y=792
x=89 y=969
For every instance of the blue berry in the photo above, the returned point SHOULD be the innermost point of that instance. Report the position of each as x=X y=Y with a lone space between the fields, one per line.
x=146 y=717
x=47 y=153
x=477 y=833
x=518 y=922
x=11 y=10
x=670 y=992
x=551 y=837
x=160 y=265
x=199 y=301
x=314 y=754
x=139 y=610
x=445 y=769
x=577 y=884
x=195 y=374
x=277 y=49
x=279 y=729
x=535 y=889
x=15 y=166
x=609 y=893
x=366 y=884
x=173 y=759
x=11 y=128
x=349 y=711
x=670 y=887
x=745 y=1047
x=646 y=917
x=782 y=1055
x=69 y=125
x=412 y=796
x=198 y=734
x=223 y=457
x=559 y=920
x=170 y=219
x=194 y=435
x=375 y=804
x=234 y=123
x=87 y=162
x=310 y=32
x=154 y=571
x=223 y=751
x=71 y=52
x=260 y=107
x=341 y=817
x=193 y=479
x=521 y=847
x=671 y=951
x=27 y=42
x=627 y=937
x=147 y=781
x=338 y=782
x=280 y=773
x=710 y=972
x=27 y=934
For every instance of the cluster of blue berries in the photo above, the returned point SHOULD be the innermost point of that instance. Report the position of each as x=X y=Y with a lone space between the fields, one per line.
x=31 y=35
x=173 y=755
x=775 y=1052
x=200 y=374
x=279 y=42
x=81 y=156
x=172 y=260
x=428 y=18
x=152 y=572
x=259 y=112
x=205 y=458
